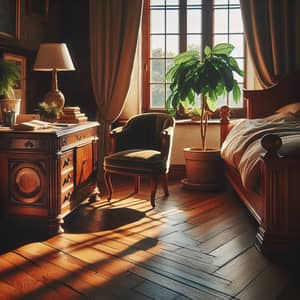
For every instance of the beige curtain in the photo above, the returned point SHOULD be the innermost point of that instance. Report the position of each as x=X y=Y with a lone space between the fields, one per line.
x=272 y=30
x=114 y=26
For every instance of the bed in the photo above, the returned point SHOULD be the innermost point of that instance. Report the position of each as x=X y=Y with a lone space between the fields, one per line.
x=273 y=194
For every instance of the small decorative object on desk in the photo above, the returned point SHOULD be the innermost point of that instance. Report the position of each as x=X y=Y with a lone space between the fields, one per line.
x=9 y=118
x=72 y=114
x=49 y=112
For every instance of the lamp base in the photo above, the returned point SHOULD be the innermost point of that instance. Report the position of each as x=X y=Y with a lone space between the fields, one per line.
x=56 y=97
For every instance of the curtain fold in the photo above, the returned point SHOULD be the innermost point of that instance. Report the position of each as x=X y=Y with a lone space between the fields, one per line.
x=114 y=26
x=272 y=30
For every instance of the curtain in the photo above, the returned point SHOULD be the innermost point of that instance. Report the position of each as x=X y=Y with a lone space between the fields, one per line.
x=272 y=29
x=114 y=26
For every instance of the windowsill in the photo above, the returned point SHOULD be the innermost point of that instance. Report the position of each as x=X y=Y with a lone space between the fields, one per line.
x=121 y=122
x=196 y=122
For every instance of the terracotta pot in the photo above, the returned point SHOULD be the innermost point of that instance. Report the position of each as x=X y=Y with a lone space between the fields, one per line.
x=203 y=169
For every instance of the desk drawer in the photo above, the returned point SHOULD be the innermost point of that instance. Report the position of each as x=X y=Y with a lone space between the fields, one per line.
x=66 y=194
x=27 y=144
x=67 y=161
x=67 y=179
x=77 y=138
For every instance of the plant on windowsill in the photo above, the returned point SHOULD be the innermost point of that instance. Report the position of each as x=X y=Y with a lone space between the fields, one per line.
x=210 y=77
x=9 y=75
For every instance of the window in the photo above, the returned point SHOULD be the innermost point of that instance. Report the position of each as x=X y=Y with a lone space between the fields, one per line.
x=174 y=26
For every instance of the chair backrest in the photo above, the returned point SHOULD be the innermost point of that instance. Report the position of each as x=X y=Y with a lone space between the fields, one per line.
x=144 y=130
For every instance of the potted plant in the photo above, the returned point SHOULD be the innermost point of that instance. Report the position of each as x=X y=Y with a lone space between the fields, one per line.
x=210 y=76
x=49 y=112
x=9 y=75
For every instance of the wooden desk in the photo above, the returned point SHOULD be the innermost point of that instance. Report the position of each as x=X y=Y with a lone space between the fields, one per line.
x=48 y=172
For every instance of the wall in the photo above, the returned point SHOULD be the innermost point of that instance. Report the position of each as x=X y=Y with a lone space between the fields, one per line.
x=34 y=29
x=188 y=135
x=76 y=85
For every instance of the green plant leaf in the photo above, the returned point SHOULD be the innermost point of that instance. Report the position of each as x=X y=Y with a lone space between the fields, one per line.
x=223 y=48
x=235 y=66
x=236 y=92
x=228 y=79
x=172 y=112
x=186 y=56
x=207 y=51
x=212 y=105
x=9 y=74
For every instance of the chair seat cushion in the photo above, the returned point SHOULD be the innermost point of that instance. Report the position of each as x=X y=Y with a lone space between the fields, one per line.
x=137 y=161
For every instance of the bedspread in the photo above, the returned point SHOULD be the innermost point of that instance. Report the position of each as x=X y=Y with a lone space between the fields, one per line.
x=242 y=148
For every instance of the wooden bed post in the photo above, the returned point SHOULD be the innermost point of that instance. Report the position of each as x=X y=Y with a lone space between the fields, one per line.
x=224 y=123
x=275 y=233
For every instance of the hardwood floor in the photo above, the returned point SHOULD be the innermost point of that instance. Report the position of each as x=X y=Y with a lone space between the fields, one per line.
x=193 y=245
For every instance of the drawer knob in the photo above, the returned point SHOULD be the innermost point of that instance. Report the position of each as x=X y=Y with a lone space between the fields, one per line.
x=67 y=161
x=68 y=196
x=28 y=144
x=68 y=179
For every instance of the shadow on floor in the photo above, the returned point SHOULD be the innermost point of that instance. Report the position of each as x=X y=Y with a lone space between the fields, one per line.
x=18 y=231
x=90 y=219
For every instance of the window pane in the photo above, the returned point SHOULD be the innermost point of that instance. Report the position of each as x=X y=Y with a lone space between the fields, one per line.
x=157 y=70
x=222 y=100
x=194 y=42
x=172 y=21
x=235 y=21
x=157 y=96
x=168 y=91
x=221 y=21
x=169 y=64
x=172 y=2
x=172 y=42
x=157 y=2
x=194 y=20
x=157 y=45
x=221 y=2
x=157 y=21
x=194 y=2
x=220 y=38
x=238 y=41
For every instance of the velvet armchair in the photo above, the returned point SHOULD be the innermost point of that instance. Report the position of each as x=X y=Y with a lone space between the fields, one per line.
x=142 y=147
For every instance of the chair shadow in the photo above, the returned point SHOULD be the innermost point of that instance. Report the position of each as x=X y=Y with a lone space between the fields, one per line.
x=87 y=219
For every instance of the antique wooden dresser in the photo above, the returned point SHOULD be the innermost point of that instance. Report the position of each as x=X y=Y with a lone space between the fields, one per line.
x=48 y=172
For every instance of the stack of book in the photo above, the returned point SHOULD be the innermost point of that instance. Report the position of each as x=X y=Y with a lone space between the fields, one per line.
x=72 y=114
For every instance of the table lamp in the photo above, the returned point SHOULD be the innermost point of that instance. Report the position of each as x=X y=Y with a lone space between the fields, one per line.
x=54 y=57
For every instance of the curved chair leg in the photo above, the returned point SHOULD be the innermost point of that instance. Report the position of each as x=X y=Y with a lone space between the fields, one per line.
x=164 y=180
x=108 y=185
x=153 y=184
x=137 y=181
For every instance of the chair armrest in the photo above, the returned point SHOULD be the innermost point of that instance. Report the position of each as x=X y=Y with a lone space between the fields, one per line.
x=113 y=135
x=166 y=139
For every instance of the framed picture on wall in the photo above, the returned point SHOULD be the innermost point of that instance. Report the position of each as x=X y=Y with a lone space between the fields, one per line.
x=38 y=8
x=10 y=19
x=20 y=85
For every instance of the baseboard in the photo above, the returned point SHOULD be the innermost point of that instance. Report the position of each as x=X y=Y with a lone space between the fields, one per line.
x=177 y=172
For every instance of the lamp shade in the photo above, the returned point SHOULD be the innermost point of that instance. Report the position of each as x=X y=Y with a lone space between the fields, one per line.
x=53 y=56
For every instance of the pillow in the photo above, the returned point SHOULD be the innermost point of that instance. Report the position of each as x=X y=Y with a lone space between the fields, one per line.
x=293 y=108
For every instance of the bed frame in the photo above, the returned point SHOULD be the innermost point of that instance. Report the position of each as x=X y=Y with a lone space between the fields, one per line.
x=277 y=207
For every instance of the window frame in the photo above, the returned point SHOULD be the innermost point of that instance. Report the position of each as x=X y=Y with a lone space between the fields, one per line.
x=207 y=39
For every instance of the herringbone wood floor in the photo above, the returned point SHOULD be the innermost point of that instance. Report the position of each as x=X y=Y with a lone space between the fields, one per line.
x=193 y=245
